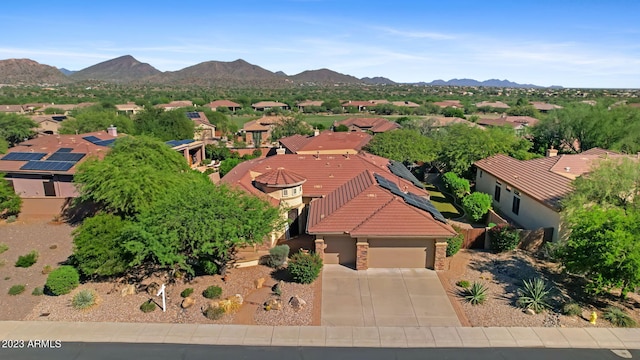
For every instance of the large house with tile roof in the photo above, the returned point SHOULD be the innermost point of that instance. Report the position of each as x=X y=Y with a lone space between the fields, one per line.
x=232 y=106
x=529 y=192
x=374 y=125
x=326 y=142
x=361 y=210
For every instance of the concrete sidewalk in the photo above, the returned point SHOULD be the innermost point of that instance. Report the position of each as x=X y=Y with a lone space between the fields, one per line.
x=427 y=337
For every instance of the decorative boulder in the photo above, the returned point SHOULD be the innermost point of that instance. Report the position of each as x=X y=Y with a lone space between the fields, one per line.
x=530 y=312
x=273 y=304
x=187 y=302
x=297 y=302
x=259 y=282
x=153 y=288
x=128 y=290
x=238 y=299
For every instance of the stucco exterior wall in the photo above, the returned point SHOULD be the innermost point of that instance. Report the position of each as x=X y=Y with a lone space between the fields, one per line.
x=340 y=249
x=532 y=215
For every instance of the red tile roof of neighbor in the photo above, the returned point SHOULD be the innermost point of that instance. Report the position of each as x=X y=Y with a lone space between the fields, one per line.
x=176 y=104
x=546 y=180
x=52 y=143
x=266 y=104
x=449 y=103
x=310 y=103
x=11 y=108
x=280 y=178
x=544 y=106
x=446 y=121
x=376 y=125
x=222 y=103
x=494 y=104
x=360 y=207
x=513 y=121
x=405 y=104
x=326 y=141
x=357 y=103
x=202 y=120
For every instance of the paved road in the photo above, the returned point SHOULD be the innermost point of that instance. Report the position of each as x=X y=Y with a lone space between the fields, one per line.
x=119 y=351
x=384 y=297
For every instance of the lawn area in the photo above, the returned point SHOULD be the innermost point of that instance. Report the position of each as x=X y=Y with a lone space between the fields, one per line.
x=443 y=202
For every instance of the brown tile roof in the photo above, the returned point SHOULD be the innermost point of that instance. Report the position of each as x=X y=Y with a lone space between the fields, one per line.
x=42 y=118
x=52 y=143
x=544 y=106
x=176 y=104
x=446 y=121
x=280 y=178
x=379 y=102
x=222 y=103
x=357 y=103
x=310 y=103
x=326 y=142
x=513 y=121
x=268 y=104
x=202 y=120
x=130 y=106
x=11 y=108
x=405 y=104
x=449 y=103
x=494 y=104
x=376 y=125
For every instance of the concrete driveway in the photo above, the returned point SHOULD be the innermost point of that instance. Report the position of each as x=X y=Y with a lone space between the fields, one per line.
x=384 y=297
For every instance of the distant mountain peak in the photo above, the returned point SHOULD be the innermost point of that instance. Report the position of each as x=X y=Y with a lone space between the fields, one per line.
x=29 y=72
x=122 y=69
x=472 y=82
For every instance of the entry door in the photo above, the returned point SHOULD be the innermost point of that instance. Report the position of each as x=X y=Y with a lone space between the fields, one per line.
x=49 y=188
x=294 y=224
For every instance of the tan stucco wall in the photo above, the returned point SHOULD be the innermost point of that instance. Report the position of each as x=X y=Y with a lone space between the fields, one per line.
x=401 y=253
x=33 y=186
x=341 y=249
x=532 y=214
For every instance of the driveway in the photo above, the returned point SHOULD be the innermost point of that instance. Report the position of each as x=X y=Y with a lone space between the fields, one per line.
x=384 y=297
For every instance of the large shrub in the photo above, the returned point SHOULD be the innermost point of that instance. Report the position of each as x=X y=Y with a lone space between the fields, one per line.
x=503 y=237
x=476 y=205
x=62 y=280
x=454 y=244
x=305 y=267
x=456 y=185
x=278 y=255
x=25 y=261
x=10 y=202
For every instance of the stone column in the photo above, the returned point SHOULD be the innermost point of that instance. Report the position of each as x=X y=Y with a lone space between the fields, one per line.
x=441 y=255
x=320 y=246
x=362 y=255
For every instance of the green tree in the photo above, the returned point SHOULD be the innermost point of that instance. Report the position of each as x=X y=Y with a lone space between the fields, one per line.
x=476 y=205
x=341 y=128
x=96 y=118
x=217 y=152
x=228 y=164
x=453 y=112
x=16 y=128
x=135 y=173
x=10 y=202
x=164 y=125
x=290 y=126
x=456 y=185
x=403 y=145
x=221 y=121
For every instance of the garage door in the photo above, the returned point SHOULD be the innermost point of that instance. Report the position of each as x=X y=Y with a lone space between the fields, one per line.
x=401 y=253
x=340 y=250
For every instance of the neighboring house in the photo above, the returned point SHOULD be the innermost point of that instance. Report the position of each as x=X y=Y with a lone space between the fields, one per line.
x=203 y=129
x=266 y=105
x=309 y=103
x=544 y=107
x=456 y=104
x=258 y=132
x=442 y=121
x=518 y=123
x=128 y=108
x=326 y=142
x=379 y=102
x=492 y=104
x=360 y=105
x=408 y=104
x=192 y=150
x=374 y=125
x=529 y=192
x=48 y=124
x=362 y=210
x=232 y=106
x=175 y=105
x=12 y=109
x=66 y=108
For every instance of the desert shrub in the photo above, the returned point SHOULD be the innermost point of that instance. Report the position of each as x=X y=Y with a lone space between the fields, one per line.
x=11 y=218
x=278 y=255
x=214 y=312
x=476 y=205
x=456 y=185
x=533 y=295
x=212 y=292
x=571 y=309
x=305 y=267
x=209 y=267
x=618 y=317
x=463 y=284
x=3 y=247
x=62 y=280
x=84 y=299
x=38 y=291
x=503 y=237
x=46 y=269
x=16 y=289
x=476 y=294
x=148 y=306
x=25 y=261
x=186 y=292
x=454 y=244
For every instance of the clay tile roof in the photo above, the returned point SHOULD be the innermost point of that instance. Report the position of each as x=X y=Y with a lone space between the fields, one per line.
x=494 y=104
x=449 y=103
x=376 y=125
x=311 y=103
x=544 y=106
x=264 y=104
x=446 y=121
x=222 y=103
x=294 y=142
x=254 y=125
x=280 y=178
x=410 y=104
x=326 y=142
x=11 y=108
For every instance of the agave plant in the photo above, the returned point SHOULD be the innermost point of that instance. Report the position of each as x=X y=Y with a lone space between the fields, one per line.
x=476 y=294
x=534 y=295
x=618 y=317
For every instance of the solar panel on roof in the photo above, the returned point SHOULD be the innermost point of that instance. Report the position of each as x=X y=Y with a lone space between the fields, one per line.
x=424 y=204
x=174 y=143
x=400 y=170
x=58 y=118
x=65 y=156
x=24 y=156
x=108 y=142
x=64 y=150
x=48 y=165
x=92 y=139
x=193 y=115
x=387 y=184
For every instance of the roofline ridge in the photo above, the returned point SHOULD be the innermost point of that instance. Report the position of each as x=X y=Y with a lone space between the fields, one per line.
x=393 y=197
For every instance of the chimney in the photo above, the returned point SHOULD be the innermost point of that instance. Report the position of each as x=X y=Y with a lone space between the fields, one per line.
x=281 y=151
x=316 y=132
x=552 y=152
x=112 y=130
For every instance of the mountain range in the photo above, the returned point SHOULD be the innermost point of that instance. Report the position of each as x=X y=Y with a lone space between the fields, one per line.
x=127 y=70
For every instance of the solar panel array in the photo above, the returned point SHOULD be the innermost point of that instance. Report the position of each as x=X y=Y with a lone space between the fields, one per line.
x=399 y=169
x=409 y=198
x=48 y=165
x=65 y=156
x=64 y=150
x=24 y=156
x=97 y=141
x=174 y=143
x=92 y=139
x=193 y=115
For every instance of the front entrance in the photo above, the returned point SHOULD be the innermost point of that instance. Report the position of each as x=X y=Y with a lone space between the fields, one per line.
x=49 y=188
x=294 y=224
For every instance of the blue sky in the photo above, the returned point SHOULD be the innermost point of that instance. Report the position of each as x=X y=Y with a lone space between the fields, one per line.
x=573 y=43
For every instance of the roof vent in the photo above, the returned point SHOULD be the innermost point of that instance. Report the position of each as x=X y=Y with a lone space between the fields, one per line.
x=567 y=169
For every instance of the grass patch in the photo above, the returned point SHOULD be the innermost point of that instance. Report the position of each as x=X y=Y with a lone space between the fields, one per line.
x=148 y=306
x=3 y=247
x=16 y=290
x=25 y=261
x=443 y=202
x=186 y=292
x=212 y=292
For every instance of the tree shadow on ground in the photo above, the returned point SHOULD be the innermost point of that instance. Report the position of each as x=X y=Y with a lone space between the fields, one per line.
x=281 y=275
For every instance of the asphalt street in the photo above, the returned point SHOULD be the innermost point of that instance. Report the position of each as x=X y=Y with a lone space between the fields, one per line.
x=122 y=351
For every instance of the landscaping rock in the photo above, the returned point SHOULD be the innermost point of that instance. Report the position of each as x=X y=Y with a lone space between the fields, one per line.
x=238 y=299
x=273 y=304
x=259 y=282
x=152 y=288
x=187 y=302
x=297 y=302
x=529 y=312
x=128 y=289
